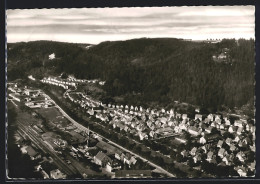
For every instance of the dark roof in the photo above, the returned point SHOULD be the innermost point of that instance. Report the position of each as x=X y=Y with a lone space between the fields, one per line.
x=101 y=156
x=106 y=146
x=194 y=128
x=118 y=151
x=133 y=173
x=212 y=136
x=77 y=136
x=128 y=156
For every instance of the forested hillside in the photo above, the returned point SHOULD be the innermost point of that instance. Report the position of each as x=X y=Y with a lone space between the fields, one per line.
x=144 y=71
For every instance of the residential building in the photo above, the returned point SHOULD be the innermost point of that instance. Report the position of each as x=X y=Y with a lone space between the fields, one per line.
x=221 y=152
x=57 y=174
x=101 y=159
x=194 y=131
x=209 y=156
x=202 y=140
x=198 y=116
x=113 y=165
x=193 y=151
x=220 y=143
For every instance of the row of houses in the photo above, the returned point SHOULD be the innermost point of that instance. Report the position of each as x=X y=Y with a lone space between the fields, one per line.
x=149 y=123
x=107 y=156
x=58 y=82
x=154 y=121
x=112 y=162
x=94 y=81
x=113 y=158
x=84 y=100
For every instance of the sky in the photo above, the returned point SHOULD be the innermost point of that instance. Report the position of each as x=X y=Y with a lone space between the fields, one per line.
x=95 y=25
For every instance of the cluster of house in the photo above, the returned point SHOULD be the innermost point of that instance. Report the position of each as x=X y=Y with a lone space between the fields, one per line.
x=69 y=82
x=32 y=98
x=135 y=120
x=35 y=99
x=222 y=56
x=84 y=100
x=111 y=158
x=223 y=150
x=53 y=174
x=106 y=155
x=152 y=123
x=16 y=93
x=44 y=163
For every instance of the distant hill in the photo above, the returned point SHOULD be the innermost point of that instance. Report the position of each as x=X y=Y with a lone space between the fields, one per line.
x=158 y=70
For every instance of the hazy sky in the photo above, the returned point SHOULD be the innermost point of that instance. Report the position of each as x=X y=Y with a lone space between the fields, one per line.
x=94 y=25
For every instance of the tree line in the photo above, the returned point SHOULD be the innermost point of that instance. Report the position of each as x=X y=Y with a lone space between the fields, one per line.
x=148 y=71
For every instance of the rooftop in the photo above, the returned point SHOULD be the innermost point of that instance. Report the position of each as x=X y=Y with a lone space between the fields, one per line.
x=31 y=151
x=106 y=146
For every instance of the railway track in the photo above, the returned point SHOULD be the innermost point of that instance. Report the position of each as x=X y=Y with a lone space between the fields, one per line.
x=68 y=169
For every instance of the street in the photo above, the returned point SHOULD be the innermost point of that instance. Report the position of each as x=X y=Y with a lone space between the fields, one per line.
x=81 y=127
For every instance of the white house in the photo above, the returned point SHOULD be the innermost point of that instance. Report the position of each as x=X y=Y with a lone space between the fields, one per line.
x=238 y=123
x=221 y=152
x=198 y=116
x=193 y=151
x=220 y=143
x=184 y=116
x=242 y=172
x=209 y=156
x=202 y=140
x=57 y=174
x=210 y=117
x=194 y=131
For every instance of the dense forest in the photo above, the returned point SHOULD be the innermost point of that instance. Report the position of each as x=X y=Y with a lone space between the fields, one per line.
x=144 y=71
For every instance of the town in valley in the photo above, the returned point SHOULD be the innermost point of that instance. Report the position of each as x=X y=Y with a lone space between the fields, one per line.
x=125 y=141
x=130 y=93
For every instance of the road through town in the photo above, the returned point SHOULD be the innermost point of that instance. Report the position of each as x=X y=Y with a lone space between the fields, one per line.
x=81 y=127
